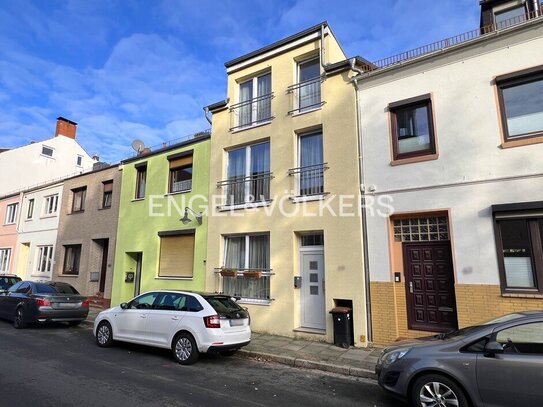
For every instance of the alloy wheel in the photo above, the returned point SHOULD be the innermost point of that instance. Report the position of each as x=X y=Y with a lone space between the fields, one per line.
x=183 y=348
x=103 y=334
x=436 y=394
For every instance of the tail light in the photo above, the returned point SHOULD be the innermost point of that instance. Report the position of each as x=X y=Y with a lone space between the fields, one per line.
x=42 y=302
x=85 y=304
x=212 y=321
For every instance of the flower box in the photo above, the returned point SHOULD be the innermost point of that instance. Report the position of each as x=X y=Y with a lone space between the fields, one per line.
x=252 y=274
x=228 y=273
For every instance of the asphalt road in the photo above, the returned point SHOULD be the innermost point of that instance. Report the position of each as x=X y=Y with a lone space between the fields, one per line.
x=62 y=366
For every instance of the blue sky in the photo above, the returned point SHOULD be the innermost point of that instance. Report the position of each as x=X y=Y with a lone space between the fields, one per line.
x=144 y=69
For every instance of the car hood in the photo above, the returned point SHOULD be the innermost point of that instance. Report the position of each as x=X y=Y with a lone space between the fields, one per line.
x=415 y=343
x=110 y=310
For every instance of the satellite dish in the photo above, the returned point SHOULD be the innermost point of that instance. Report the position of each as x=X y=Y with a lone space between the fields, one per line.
x=138 y=145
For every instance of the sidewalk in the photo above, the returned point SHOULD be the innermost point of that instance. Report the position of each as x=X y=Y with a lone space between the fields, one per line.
x=359 y=362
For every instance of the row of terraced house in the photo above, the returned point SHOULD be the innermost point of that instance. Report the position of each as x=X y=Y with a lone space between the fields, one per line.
x=408 y=189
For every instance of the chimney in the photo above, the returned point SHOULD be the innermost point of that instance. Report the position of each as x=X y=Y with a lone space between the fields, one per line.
x=65 y=127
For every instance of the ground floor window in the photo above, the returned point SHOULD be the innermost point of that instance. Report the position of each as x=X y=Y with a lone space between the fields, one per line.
x=72 y=255
x=45 y=259
x=5 y=255
x=176 y=255
x=249 y=256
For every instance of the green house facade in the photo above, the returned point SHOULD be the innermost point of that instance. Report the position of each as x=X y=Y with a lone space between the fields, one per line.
x=162 y=230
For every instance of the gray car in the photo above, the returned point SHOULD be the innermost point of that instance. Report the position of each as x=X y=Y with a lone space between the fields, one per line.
x=498 y=363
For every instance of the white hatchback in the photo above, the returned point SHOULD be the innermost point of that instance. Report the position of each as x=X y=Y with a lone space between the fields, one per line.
x=185 y=322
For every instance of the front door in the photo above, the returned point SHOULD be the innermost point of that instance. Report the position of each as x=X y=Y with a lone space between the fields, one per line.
x=429 y=282
x=104 y=244
x=312 y=291
x=137 y=277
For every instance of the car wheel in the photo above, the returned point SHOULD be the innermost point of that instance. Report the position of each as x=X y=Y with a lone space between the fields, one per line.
x=18 y=321
x=104 y=335
x=184 y=349
x=437 y=390
x=228 y=352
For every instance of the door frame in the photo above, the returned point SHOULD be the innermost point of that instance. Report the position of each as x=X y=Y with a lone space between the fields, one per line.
x=104 y=244
x=312 y=250
x=137 y=276
x=408 y=299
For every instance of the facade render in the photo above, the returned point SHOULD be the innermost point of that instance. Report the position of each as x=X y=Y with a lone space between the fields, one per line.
x=42 y=162
x=37 y=229
x=9 y=215
x=162 y=230
x=87 y=232
x=284 y=155
x=452 y=143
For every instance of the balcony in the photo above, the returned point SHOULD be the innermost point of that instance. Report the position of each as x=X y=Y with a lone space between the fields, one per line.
x=181 y=186
x=252 y=285
x=306 y=96
x=309 y=180
x=246 y=191
x=251 y=112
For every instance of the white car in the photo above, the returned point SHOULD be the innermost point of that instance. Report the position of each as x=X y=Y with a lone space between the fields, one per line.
x=185 y=322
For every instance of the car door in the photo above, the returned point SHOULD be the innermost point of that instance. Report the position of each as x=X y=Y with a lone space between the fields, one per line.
x=165 y=318
x=16 y=295
x=131 y=323
x=515 y=377
x=5 y=300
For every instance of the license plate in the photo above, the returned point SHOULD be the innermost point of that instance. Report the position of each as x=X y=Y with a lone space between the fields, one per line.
x=66 y=305
x=237 y=322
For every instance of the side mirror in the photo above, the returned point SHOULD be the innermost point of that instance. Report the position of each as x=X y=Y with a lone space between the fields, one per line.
x=124 y=305
x=493 y=348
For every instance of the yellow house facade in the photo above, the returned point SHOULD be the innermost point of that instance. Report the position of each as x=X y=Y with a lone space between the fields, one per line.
x=284 y=220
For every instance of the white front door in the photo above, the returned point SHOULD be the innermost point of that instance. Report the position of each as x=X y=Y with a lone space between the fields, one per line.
x=312 y=291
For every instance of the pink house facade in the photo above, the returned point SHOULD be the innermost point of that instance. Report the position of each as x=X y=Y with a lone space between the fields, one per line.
x=9 y=216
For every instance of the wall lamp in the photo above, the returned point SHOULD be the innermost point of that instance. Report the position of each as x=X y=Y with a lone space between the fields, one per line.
x=197 y=215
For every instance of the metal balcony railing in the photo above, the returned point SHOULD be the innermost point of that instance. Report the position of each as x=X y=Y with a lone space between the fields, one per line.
x=250 y=284
x=182 y=186
x=310 y=179
x=306 y=95
x=250 y=189
x=251 y=112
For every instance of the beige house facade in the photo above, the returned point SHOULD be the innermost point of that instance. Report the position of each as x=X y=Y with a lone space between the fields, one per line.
x=284 y=221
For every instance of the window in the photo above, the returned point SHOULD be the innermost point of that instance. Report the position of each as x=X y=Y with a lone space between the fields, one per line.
x=315 y=239
x=412 y=127
x=72 y=255
x=11 y=213
x=78 y=202
x=45 y=259
x=521 y=104
x=525 y=339
x=51 y=205
x=176 y=256
x=79 y=161
x=180 y=174
x=107 y=194
x=248 y=174
x=47 y=151
x=309 y=95
x=5 y=255
x=30 y=211
x=141 y=177
x=421 y=229
x=144 y=301
x=254 y=105
x=178 y=302
x=248 y=253
x=312 y=166
x=509 y=17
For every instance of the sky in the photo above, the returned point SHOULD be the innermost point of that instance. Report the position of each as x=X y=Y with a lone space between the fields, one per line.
x=144 y=69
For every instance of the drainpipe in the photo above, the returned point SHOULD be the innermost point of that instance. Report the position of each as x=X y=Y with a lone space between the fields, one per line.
x=206 y=112
x=363 y=209
x=536 y=8
x=322 y=50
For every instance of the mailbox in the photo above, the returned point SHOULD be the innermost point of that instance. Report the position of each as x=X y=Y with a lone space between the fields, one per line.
x=129 y=277
x=297 y=282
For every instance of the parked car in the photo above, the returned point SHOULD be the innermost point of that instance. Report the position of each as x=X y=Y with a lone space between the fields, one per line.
x=29 y=302
x=188 y=323
x=7 y=280
x=498 y=363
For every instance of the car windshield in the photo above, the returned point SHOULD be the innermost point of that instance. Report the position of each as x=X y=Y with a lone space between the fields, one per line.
x=470 y=329
x=223 y=304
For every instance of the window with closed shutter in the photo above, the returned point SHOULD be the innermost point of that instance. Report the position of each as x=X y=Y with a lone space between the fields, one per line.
x=176 y=256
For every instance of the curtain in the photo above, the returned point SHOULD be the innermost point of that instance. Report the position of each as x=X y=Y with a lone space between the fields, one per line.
x=260 y=165
x=259 y=258
x=311 y=158
x=245 y=110
x=235 y=193
x=234 y=259
x=263 y=111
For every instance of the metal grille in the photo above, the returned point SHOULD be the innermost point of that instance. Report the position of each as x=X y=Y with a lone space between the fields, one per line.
x=421 y=229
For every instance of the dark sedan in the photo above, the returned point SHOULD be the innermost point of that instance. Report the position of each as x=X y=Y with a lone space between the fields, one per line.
x=7 y=280
x=495 y=364
x=29 y=302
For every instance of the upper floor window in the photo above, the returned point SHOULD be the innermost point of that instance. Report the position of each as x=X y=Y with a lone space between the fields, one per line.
x=254 y=106
x=107 y=194
x=309 y=95
x=79 y=161
x=51 y=204
x=5 y=255
x=412 y=127
x=180 y=174
x=510 y=16
x=141 y=179
x=47 y=151
x=248 y=174
x=521 y=103
x=30 y=210
x=11 y=213
x=78 y=202
x=309 y=174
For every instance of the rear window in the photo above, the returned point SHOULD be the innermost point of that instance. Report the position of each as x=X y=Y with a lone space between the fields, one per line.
x=64 y=288
x=44 y=289
x=223 y=304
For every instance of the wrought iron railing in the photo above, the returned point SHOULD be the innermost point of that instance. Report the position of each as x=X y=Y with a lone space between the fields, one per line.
x=250 y=189
x=310 y=179
x=170 y=143
x=182 y=186
x=251 y=112
x=306 y=95
x=249 y=284
x=449 y=42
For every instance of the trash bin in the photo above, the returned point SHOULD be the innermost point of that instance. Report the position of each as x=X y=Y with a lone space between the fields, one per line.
x=343 y=335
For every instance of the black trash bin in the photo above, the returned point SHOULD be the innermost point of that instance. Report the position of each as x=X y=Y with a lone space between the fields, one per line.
x=343 y=322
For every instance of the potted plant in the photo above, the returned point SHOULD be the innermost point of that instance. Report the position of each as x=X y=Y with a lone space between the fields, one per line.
x=228 y=272
x=252 y=274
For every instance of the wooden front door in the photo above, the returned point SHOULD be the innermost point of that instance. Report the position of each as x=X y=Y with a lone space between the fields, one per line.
x=429 y=282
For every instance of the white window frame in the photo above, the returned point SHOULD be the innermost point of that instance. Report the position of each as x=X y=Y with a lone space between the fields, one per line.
x=298 y=108
x=79 y=158
x=45 y=250
x=50 y=148
x=298 y=196
x=253 y=106
x=5 y=257
x=11 y=213
x=31 y=204
x=47 y=204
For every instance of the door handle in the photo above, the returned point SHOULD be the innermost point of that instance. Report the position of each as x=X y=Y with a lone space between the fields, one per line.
x=175 y=318
x=411 y=287
x=143 y=316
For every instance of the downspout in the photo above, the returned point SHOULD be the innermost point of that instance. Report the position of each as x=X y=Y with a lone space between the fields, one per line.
x=365 y=249
x=536 y=8
x=206 y=112
x=322 y=49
